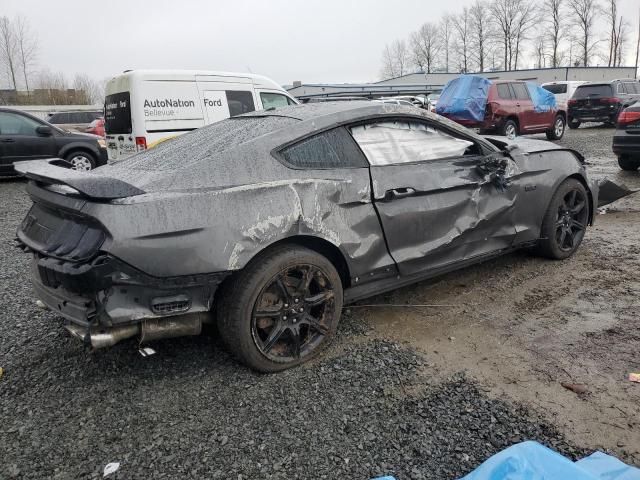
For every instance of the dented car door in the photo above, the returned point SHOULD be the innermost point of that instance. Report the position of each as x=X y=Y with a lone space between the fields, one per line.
x=440 y=198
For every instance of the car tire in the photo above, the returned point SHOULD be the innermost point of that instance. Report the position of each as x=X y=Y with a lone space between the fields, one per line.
x=556 y=132
x=509 y=129
x=573 y=124
x=628 y=164
x=288 y=293
x=565 y=221
x=81 y=160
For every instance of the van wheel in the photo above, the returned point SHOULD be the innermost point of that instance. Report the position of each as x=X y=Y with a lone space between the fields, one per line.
x=81 y=161
x=510 y=129
x=281 y=310
x=557 y=131
x=628 y=164
x=573 y=124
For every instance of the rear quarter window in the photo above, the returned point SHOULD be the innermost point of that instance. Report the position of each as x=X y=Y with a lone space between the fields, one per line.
x=332 y=149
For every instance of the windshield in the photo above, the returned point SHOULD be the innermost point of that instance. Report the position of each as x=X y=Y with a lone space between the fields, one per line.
x=593 y=91
x=117 y=113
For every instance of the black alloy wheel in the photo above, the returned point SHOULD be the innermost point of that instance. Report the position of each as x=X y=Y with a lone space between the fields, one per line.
x=571 y=220
x=292 y=315
x=281 y=309
x=565 y=221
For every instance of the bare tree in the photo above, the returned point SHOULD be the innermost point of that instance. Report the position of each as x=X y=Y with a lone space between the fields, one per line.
x=524 y=21
x=52 y=86
x=621 y=40
x=612 y=18
x=481 y=33
x=87 y=89
x=553 y=12
x=395 y=60
x=426 y=46
x=540 y=51
x=505 y=14
x=8 y=50
x=446 y=29
x=462 y=28
x=583 y=15
x=27 y=48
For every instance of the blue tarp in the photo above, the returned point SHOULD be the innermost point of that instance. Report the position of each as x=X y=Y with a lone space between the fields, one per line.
x=532 y=461
x=464 y=98
x=543 y=100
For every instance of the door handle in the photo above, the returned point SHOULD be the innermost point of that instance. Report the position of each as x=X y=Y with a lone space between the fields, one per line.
x=399 y=193
x=7 y=140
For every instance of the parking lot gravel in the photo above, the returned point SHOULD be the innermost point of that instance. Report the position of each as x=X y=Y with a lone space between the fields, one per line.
x=370 y=406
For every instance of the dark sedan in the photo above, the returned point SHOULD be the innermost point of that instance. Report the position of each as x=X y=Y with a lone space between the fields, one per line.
x=26 y=137
x=626 y=140
x=268 y=223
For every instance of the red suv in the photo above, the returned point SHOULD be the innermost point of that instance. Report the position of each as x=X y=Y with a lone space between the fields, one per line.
x=510 y=112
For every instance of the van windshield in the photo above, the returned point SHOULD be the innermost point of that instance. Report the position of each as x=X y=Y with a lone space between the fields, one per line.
x=117 y=113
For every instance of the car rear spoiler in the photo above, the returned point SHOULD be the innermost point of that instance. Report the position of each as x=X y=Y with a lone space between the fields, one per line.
x=89 y=184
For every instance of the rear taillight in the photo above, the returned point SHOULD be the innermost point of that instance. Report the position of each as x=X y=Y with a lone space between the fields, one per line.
x=572 y=101
x=141 y=144
x=626 y=117
x=609 y=100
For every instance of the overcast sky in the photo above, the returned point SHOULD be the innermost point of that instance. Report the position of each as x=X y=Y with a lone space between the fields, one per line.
x=321 y=41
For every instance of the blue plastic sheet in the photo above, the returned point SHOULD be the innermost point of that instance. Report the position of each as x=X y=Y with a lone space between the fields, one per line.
x=606 y=467
x=532 y=461
x=543 y=100
x=464 y=98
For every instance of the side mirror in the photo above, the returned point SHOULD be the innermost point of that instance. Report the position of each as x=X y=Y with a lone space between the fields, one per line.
x=44 y=130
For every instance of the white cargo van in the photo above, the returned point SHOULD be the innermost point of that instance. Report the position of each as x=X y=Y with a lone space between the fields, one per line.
x=146 y=107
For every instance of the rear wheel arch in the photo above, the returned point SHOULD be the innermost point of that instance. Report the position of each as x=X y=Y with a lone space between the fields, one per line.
x=318 y=245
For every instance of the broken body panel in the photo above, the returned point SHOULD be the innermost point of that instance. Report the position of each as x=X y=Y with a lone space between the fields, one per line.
x=153 y=236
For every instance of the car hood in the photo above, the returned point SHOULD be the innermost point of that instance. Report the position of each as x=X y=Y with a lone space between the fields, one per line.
x=528 y=145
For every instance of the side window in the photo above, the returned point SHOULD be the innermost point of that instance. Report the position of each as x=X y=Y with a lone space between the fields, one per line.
x=331 y=149
x=391 y=143
x=274 y=100
x=16 y=124
x=503 y=91
x=239 y=102
x=58 y=118
x=631 y=88
x=520 y=90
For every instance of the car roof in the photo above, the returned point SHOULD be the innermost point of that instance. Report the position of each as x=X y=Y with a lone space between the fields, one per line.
x=314 y=117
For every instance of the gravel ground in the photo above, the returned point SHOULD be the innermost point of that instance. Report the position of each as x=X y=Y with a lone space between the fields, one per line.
x=368 y=407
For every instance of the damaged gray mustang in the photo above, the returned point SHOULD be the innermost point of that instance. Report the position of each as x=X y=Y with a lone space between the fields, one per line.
x=268 y=223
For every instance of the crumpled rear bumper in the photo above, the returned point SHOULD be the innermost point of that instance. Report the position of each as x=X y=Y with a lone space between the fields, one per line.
x=107 y=292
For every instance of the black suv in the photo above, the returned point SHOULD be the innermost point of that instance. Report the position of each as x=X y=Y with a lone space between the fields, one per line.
x=602 y=102
x=25 y=137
